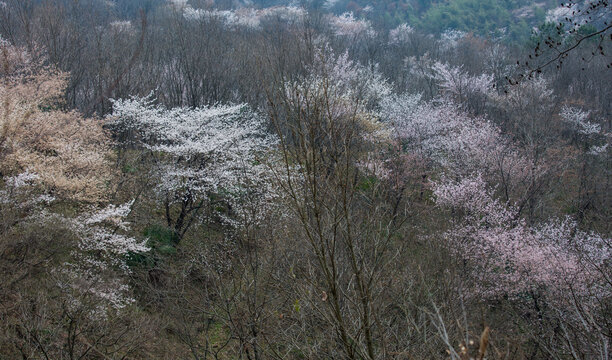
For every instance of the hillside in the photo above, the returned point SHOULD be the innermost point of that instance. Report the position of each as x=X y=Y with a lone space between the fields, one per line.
x=348 y=180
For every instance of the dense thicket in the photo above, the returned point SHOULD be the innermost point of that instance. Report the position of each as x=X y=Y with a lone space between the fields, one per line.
x=230 y=180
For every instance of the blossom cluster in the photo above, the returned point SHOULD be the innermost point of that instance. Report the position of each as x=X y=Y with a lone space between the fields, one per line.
x=68 y=152
x=577 y=118
x=122 y=26
x=442 y=131
x=347 y=25
x=205 y=150
x=361 y=84
x=96 y=266
x=455 y=81
x=19 y=192
x=573 y=14
x=246 y=18
x=450 y=38
x=508 y=256
x=401 y=34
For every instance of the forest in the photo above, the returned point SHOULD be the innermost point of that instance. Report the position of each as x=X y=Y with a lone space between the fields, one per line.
x=272 y=179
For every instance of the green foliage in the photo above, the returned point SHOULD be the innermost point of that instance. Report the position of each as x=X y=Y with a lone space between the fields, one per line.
x=539 y=15
x=547 y=32
x=367 y=183
x=296 y=306
x=161 y=240
x=512 y=19
x=483 y=17
x=586 y=30
x=129 y=169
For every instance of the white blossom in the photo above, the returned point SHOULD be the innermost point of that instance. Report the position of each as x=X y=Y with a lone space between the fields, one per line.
x=180 y=4
x=98 y=264
x=247 y=18
x=330 y=3
x=20 y=192
x=26 y=178
x=401 y=34
x=208 y=149
x=576 y=13
x=290 y=14
x=111 y=214
x=96 y=267
x=347 y=25
x=350 y=79
x=598 y=150
x=456 y=81
x=440 y=130
x=122 y=26
x=578 y=120
x=450 y=38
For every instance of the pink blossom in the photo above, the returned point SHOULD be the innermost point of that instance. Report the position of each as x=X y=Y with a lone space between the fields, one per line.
x=508 y=257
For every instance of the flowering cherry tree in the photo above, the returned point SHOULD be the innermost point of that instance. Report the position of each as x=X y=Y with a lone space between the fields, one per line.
x=509 y=257
x=338 y=91
x=352 y=81
x=73 y=269
x=244 y=18
x=595 y=139
x=48 y=157
x=99 y=267
x=401 y=34
x=96 y=265
x=449 y=39
x=327 y=124
x=577 y=119
x=456 y=82
x=529 y=106
x=70 y=154
x=443 y=132
x=347 y=25
x=202 y=151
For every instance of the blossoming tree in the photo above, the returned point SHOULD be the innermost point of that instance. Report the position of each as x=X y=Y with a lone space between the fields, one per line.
x=68 y=152
x=201 y=152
